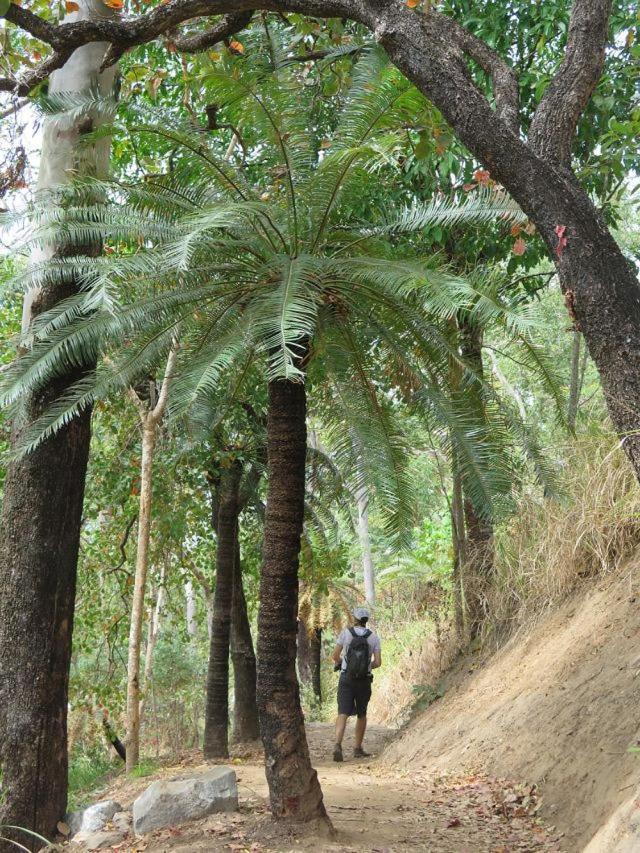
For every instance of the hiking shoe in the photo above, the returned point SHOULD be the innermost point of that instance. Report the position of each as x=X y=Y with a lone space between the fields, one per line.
x=359 y=752
x=337 y=753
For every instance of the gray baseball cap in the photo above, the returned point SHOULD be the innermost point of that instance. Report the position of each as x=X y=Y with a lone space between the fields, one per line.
x=360 y=612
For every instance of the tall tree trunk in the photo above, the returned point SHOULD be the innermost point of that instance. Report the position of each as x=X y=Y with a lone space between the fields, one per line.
x=303 y=653
x=245 y=709
x=479 y=544
x=190 y=601
x=459 y=552
x=293 y=784
x=216 y=728
x=315 y=659
x=150 y=418
x=137 y=604
x=153 y=632
x=40 y=525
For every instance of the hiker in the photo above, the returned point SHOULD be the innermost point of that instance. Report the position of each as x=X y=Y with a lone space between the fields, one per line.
x=357 y=652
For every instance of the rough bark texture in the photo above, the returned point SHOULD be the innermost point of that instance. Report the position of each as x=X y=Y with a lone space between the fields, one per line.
x=315 y=659
x=303 y=653
x=293 y=784
x=41 y=517
x=216 y=729
x=243 y=657
x=478 y=528
x=40 y=530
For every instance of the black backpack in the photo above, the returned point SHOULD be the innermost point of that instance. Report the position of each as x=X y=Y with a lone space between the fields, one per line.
x=358 y=656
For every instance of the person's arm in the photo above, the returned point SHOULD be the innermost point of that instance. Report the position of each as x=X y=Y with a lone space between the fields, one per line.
x=376 y=658
x=337 y=654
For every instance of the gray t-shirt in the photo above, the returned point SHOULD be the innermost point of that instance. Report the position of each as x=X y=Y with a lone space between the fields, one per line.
x=346 y=636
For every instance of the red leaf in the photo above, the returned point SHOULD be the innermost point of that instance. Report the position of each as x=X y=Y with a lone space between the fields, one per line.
x=519 y=247
x=562 y=240
x=482 y=176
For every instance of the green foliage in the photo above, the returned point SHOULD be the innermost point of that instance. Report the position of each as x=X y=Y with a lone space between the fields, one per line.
x=426 y=695
x=88 y=771
x=245 y=269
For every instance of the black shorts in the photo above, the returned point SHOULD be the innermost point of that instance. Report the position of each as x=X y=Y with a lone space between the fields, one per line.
x=353 y=696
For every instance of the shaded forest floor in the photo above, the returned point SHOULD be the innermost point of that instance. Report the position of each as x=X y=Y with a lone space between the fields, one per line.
x=372 y=808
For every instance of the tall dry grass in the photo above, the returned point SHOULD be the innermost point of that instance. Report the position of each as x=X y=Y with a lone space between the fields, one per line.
x=544 y=551
x=550 y=545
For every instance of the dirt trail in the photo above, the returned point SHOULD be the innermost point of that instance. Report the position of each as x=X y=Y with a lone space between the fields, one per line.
x=558 y=706
x=373 y=809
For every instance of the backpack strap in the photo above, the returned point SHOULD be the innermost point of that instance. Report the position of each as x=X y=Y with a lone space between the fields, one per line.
x=353 y=632
x=367 y=634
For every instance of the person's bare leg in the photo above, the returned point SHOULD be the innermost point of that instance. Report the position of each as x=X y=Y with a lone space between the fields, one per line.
x=361 y=727
x=341 y=724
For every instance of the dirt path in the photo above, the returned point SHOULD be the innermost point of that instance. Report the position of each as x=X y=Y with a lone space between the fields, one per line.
x=373 y=810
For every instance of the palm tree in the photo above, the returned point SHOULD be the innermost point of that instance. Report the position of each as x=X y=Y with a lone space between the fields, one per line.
x=263 y=262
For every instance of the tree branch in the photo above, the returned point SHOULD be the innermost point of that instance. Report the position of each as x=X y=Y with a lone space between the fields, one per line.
x=567 y=95
x=122 y=35
x=503 y=77
x=224 y=29
x=157 y=413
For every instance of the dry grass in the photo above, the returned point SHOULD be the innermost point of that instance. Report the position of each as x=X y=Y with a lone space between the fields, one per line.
x=543 y=552
x=414 y=679
x=550 y=545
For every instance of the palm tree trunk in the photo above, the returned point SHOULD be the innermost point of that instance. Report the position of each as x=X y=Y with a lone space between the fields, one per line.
x=303 y=653
x=243 y=657
x=315 y=656
x=294 y=789
x=479 y=545
x=459 y=552
x=216 y=728
x=40 y=528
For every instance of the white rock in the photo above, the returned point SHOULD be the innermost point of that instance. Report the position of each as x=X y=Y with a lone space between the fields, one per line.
x=174 y=802
x=99 y=840
x=93 y=818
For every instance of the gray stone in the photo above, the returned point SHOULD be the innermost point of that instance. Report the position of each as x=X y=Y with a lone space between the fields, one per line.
x=92 y=819
x=174 y=802
x=122 y=821
x=99 y=840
